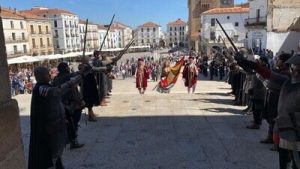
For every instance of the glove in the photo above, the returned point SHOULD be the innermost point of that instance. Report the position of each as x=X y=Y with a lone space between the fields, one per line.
x=244 y=63
x=239 y=57
x=109 y=67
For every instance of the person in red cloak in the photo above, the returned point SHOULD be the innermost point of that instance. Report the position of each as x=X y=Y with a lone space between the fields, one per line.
x=142 y=76
x=190 y=75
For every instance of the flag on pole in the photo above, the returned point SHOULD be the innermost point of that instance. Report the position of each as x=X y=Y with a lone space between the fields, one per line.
x=166 y=84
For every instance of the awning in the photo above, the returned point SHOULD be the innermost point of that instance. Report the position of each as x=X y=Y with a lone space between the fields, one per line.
x=23 y=59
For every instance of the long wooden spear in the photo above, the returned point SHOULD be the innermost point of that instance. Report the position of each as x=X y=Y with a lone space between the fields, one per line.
x=85 y=34
x=124 y=50
x=233 y=45
x=111 y=22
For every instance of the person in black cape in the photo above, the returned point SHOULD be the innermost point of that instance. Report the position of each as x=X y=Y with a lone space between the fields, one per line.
x=48 y=135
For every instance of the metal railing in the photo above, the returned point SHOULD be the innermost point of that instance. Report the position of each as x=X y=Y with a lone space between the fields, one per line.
x=262 y=21
x=16 y=40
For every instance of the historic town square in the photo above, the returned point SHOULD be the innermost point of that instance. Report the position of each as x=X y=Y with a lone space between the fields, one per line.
x=130 y=84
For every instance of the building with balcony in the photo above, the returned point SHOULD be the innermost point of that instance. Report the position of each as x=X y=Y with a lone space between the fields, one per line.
x=92 y=37
x=149 y=34
x=274 y=25
x=177 y=33
x=196 y=8
x=283 y=25
x=64 y=27
x=39 y=34
x=124 y=33
x=112 y=40
x=232 y=20
x=15 y=32
x=256 y=24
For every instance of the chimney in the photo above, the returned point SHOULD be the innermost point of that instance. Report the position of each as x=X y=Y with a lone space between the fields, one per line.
x=15 y=10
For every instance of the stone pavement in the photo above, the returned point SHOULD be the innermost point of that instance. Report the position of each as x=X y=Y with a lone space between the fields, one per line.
x=166 y=131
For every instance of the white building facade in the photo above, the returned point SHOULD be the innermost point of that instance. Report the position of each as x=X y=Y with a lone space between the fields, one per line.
x=124 y=33
x=16 y=34
x=233 y=21
x=149 y=34
x=256 y=24
x=112 y=40
x=65 y=29
x=92 y=38
x=274 y=25
x=177 y=33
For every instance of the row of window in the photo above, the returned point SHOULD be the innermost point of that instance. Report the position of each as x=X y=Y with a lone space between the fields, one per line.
x=175 y=33
x=181 y=28
x=12 y=25
x=16 y=51
x=15 y=38
x=213 y=22
x=148 y=41
x=40 y=29
x=148 y=29
x=41 y=42
x=175 y=39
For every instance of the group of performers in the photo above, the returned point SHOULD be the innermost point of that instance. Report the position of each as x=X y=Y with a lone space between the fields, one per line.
x=169 y=75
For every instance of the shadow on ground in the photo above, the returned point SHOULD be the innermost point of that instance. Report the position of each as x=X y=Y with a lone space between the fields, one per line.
x=167 y=142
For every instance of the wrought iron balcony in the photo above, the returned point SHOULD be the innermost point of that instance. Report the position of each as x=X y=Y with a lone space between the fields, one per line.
x=262 y=21
x=16 y=40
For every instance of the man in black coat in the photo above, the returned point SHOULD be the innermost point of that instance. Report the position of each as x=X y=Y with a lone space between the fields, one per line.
x=48 y=135
x=73 y=103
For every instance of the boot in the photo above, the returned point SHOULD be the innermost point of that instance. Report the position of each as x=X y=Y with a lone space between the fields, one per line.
x=268 y=140
x=59 y=164
x=92 y=117
x=253 y=126
x=246 y=110
x=274 y=148
x=75 y=145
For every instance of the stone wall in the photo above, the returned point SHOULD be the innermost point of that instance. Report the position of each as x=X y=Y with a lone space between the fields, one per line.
x=11 y=147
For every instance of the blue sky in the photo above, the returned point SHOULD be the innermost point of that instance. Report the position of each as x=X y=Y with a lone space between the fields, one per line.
x=130 y=12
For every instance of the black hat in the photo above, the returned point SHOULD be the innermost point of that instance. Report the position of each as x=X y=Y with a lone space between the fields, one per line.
x=63 y=67
x=264 y=59
x=284 y=57
x=295 y=60
x=191 y=57
x=141 y=60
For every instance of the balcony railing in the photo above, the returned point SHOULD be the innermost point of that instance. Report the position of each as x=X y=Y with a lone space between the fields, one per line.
x=262 y=21
x=48 y=32
x=16 y=40
x=56 y=36
x=33 y=32
x=17 y=53
x=41 y=32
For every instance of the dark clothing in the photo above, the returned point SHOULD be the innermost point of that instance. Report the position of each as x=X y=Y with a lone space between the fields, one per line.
x=72 y=103
x=89 y=88
x=48 y=135
x=101 y=80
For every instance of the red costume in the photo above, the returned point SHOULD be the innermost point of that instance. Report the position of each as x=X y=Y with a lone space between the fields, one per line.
x=142 y=77
x=190 y=74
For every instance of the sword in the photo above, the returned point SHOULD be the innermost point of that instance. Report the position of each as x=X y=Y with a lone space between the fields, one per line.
x=111 y=22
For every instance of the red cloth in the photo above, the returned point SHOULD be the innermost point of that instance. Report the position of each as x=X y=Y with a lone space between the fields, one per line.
x=186 y=73
x=263 y=71
x=142 y=78
x=276 y=139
